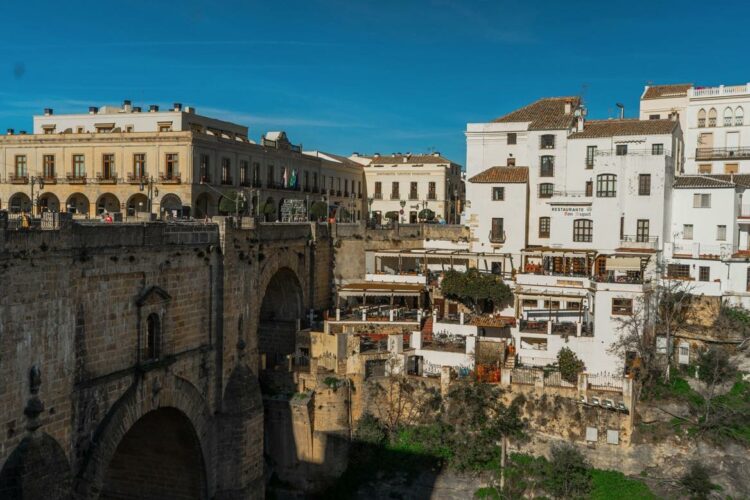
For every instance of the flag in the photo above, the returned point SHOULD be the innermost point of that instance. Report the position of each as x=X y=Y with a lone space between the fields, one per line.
x=284 y=179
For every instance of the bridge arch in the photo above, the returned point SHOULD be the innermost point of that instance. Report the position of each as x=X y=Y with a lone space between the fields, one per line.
x=160 y=405
x=281 y=307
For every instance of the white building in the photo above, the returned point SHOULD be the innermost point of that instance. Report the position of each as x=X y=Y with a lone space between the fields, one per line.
x=582 y=210
x=717 y=136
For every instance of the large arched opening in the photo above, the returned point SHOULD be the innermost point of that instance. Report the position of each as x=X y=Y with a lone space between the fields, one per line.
x=277 y=326
x=138 y=203
x=204 y=206
x=77 y=203
x=48 y=202
x=171 y=205
x=19 y=203
x=159 y=457
x=107 y=203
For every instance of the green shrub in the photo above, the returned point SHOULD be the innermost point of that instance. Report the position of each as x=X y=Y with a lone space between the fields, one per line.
x=613 y=485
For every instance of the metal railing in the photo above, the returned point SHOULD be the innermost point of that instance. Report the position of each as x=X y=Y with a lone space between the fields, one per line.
x=721 y=153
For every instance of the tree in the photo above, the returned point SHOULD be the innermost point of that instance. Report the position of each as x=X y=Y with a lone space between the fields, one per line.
x=479 y=418
x=233 y=203
x=426 y=214
x=569 y=364
x=473 y=288
x=697 y=481
x=672 y=300
x=714 y=368
x=569 y=475
x=370 y=430
x=319 y=210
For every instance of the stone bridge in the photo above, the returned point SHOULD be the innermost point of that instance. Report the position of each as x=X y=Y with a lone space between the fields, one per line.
x=129 y=354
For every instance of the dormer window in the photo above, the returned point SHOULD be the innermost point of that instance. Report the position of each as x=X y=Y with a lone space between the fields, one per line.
x=165 y=126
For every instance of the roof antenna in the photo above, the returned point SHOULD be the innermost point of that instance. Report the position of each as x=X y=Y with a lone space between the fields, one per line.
x=622 y=110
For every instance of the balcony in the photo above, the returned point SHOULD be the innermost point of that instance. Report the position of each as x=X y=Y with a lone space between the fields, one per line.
x=227 y=181
x=697 y=250
x=137 y=179
x=526 y=326
x=721 y=90
x=18 y=179
x=722 y=153
x=431 y=196
x=395 y=196
x=377 y=196
x=49 y=179
x=413 y=196
x=497 y=238
x=106 y=179
x=169 y=178
x=76 y=179
x=639 y=242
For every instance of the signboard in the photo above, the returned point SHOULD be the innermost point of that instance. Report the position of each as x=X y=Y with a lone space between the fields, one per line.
x=573 y=211
x=293 y=211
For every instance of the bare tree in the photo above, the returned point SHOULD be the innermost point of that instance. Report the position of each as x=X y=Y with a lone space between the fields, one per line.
x=671 y=299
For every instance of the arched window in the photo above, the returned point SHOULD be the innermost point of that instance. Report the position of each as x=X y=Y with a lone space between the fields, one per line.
x=727 y=117
x=606 y=185
x=702 y=118
x=583 y=230
x=153 y=336
x=712 y=117
x=739 y=116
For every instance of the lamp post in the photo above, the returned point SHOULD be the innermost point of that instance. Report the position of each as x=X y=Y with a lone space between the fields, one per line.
x=34 y=201
x=147 y=184
x=370 y=201
x=403 y=204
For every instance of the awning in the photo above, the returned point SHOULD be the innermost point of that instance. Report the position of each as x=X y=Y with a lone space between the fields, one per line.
x=623 y=264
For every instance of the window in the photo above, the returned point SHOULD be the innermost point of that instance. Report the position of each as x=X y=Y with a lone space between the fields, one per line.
x=554 y=304
x=747 y=280
x=589 y=188
x=315 y=182
x=606 y=185
x=431 y=193
x=510 y=162
x=271 y=179
x=712 y=117
x=256 y=176
x=20 y=165
x=622 y=307
x=226 y=171
x=704 y=168
x=657 y=149
x=641 y=234
x=621 y=149
x=139 y=165
x=512 y=138
x=739 y=115
x=721 y=233
x=378 y=190
x=704 y=273
x=583 y=230
x=678 y=271
x=48 y=166
x=165 y=127
x=108 y=166
x=622 y=228
x=701 y=201
x=654 y=117
x=572 y=305
x=547 y=166
x=171 y=165
x=79 y=166
x=590 y=153
x=728 y=117
x=498 y=193
x=687 y=231
x=497 y=234
x=546 y=189
x=644 y=184
x=547 y=141
x=306 y=177
x=204 y=169
x=529 y=303
x=394 y=191
x=346 y=187
x=544 y=223
x=153 y=332
x=731 y=168
x=702 y=118
x=413 y=191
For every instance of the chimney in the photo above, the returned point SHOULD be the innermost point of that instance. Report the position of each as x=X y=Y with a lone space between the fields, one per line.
x=136 y=109
x=48 y=111
x=10 y=131
x=189 y=109
x=376 y=154
x=178 y=106
x=127 y=106
x=22 y=132
x=355 y=154
x=436 y=153
x=622 y=110
x=153 y=108
x=568 y=106
x=93 y=110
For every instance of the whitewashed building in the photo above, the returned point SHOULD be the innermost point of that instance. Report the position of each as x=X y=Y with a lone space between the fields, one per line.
x=580 y=210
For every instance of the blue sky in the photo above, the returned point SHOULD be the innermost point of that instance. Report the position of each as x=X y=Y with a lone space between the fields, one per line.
x=343 y=75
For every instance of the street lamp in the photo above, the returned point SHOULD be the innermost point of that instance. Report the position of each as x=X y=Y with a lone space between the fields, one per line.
x=35 y=201
x=403 y=204
x=147 y=183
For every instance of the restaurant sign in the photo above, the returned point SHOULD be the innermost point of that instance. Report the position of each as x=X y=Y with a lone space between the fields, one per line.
x=573 y=211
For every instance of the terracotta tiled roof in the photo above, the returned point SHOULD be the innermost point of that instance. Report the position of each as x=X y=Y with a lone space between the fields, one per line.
x=492 y=322
x=399 y=158
x=544 y=114
x=666 y=91
x=505 y=175
x=631 y=126
x=709 y=181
